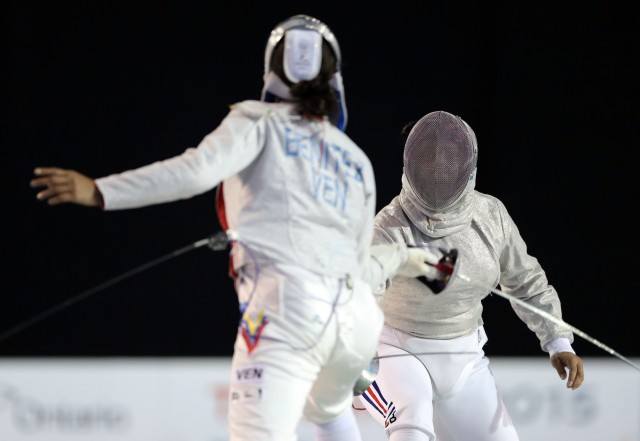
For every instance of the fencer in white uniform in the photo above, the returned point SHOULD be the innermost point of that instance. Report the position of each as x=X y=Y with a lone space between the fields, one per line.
x=297 y=197
x=434 y=382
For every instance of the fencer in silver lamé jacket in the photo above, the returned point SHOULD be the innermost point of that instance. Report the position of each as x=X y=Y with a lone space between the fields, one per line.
x=490 y=252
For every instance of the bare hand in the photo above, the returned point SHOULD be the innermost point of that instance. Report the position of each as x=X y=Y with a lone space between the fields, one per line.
x=65 y=186
x=562 y=361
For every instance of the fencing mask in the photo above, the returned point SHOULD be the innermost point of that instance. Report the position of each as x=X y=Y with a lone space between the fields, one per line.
x=440 y=159
x=303 y=36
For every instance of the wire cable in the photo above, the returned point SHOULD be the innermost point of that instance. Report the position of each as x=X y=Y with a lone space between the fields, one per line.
x=220 y=241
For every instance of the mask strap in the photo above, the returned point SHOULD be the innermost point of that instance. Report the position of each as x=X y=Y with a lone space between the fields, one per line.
x=275 y=88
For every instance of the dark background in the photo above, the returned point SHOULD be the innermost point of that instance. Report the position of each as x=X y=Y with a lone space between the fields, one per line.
x=551 y=92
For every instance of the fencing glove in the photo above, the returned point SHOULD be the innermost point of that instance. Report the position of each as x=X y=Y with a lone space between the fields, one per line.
x=420 y=262
x=433 y=269
x=432 y=266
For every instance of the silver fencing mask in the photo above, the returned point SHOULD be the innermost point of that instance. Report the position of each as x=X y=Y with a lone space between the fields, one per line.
x=301 y=43
x=440 y=159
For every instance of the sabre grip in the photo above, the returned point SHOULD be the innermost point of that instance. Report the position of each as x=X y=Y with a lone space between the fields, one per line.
x=445 y=265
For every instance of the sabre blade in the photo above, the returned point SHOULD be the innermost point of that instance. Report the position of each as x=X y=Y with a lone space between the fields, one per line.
x=556 y=320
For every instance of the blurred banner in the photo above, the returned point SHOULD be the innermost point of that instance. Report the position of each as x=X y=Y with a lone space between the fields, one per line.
x=185 y=399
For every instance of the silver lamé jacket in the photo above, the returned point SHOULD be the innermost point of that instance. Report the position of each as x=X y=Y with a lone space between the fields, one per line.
x=491 y=252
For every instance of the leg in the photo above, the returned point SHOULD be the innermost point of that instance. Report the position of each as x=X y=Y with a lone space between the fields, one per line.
x=343 y=428
x=400 y=398
x=267 y=394
x=271 y=376
x=359 y=322
x=476 y=411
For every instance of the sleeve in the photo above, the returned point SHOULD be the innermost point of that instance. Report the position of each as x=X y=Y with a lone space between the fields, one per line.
x=231 y=147
x=387 y=259
x=379 y=262
x=388 y=253
x=560 y=344
x=522 y=277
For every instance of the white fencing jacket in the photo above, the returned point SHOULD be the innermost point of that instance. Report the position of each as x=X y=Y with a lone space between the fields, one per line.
x=296 y=191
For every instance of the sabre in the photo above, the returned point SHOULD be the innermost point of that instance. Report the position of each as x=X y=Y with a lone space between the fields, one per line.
x=556 y=320
x=447 y=265
x=216 y=242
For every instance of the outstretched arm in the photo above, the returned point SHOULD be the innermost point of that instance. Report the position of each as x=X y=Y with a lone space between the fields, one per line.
x=231 y=147
x=65 y=186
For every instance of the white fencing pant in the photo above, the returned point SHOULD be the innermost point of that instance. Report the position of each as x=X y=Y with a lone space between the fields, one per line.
x=446 y=391
x=303 y=342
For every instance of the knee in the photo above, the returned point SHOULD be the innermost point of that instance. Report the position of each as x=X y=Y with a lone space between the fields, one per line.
x=410 y=433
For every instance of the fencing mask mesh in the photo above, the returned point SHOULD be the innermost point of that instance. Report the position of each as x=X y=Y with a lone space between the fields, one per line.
x=440 y=158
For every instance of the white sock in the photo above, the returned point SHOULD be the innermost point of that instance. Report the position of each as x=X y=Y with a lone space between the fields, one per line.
x=343 y=428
